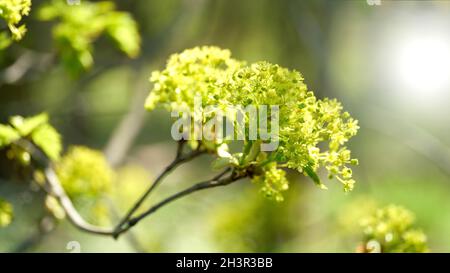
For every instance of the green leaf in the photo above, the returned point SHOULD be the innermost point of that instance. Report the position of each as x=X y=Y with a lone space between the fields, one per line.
x=26 y=125
x=36 y=127
x=225 y=158
x=254 y=151
x=313 y=175
x=77 y=27
x=220 y=163
x=49 y=140
x=222 y=151
x=123 y=30
x=7 y=135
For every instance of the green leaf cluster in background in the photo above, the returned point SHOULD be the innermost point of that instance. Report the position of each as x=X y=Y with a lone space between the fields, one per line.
x=7 y=135
x=84 y=173
x=36 y=129
x=79 y=26
x=12 y=12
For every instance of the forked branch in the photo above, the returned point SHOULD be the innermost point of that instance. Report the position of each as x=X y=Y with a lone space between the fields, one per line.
x=180 y=158
x=53 y=187
x=214 y=182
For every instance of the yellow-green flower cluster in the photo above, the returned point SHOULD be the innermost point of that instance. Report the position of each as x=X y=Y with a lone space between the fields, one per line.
x=84 y=173
x=391 y=229
x=273 y=182
x=12 y=12
x=6 y=213
x=198 y=71
x=305 y=122
x=80 y=25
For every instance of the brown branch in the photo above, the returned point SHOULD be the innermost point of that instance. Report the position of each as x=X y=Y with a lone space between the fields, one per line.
x=214 y=182
x=130 y=236
x=176 y=162
x=53 y=187
x=77 y=220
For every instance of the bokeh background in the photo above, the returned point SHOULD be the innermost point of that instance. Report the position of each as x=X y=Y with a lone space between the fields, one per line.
x=389 y=64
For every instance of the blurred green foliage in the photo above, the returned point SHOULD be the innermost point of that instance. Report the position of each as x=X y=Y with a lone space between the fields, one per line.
x=390 y=229
x=84 y=172
x=36 y=129
x=78 y=26
x=12 y=11
x=87 y=179
x=251 y=223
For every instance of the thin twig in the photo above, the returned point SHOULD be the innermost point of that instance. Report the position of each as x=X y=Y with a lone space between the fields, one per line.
x=53 y=187
x=214 y=182
x=72 y=213
x=130 y=236
x=177 y=161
